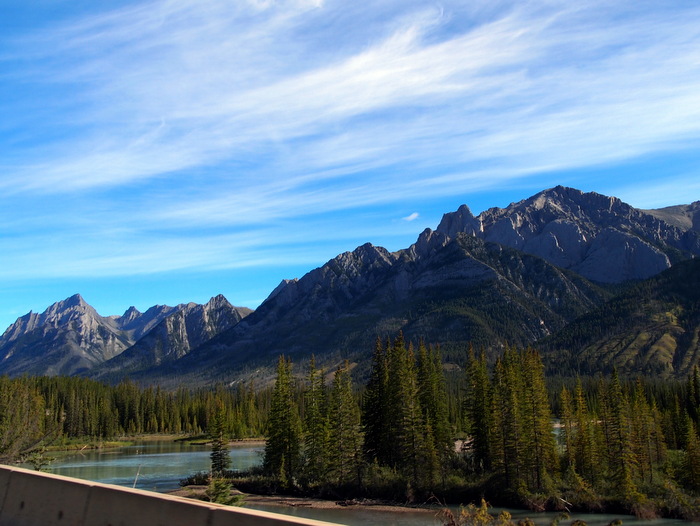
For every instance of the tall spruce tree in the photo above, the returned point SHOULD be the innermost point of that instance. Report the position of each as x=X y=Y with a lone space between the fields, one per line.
x=478 y=408
x=432 y=395
x=316 y=434
x=345 y=459
x=375 y=408
x=282 y=447
x=220 y=459
x=538 y=445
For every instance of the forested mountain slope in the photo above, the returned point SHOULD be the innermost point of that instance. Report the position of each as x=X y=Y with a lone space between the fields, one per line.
x=448 y=291
x=652 y=328
x=515 y=275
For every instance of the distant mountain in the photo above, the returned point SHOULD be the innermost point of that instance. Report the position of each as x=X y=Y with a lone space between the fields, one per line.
x=70 y=337
x=175 y=336
x=448 y=291
x=538 y=271
x=652 y=328
x=596 y=236
x=684 y=217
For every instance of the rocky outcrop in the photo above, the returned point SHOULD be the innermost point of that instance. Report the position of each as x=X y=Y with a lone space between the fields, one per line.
x=66 y=338
x=70 y=337
x=190 y=326
x=684 y=217
x=597 y=236
x=448 y=291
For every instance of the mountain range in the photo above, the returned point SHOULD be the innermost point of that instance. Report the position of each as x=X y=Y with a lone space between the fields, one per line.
x=545 y=270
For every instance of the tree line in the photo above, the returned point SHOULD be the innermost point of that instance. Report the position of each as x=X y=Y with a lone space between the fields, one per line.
x=496 y=428
x=39 y=411
x=611 y=444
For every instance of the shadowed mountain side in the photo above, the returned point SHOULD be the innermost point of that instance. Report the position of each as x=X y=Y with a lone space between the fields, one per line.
x=653 y=328
x=450 y=292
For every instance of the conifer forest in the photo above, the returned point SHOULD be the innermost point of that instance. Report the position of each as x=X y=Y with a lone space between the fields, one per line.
x=413 y=430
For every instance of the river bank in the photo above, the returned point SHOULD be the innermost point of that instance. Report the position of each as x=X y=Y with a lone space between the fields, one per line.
x=198 y=492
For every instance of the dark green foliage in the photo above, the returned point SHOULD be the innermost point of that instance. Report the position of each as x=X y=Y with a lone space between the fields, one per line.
x=283 y=444
x=649 y=328
x=345 y=458
x=220 y=459
x=378 y=446
x=316 y=432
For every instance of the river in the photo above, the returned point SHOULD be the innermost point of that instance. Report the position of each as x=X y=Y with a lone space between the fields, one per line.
x=160 y=465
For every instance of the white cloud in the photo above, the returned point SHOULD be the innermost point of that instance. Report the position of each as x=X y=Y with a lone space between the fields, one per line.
x=411 y=217
x=180 y=118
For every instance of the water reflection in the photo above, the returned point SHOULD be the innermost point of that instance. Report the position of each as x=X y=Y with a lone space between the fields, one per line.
x=159 y=466
x=155 y=466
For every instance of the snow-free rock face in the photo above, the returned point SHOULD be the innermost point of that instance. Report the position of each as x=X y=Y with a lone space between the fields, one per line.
x=174 y=336
x=66 y=338
x=448 y=291
x=597 y=236
x=70 y=337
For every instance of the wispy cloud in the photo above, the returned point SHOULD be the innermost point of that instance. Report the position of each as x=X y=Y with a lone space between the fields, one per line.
x=190 y=116
x=411 y=217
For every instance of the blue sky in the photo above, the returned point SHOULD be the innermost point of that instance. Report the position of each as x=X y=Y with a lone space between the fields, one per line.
x=159 y=152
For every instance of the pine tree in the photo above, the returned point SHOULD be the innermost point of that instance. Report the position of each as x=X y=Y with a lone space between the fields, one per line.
x=478 y=408
x=691 y=464
x=375 y=409
x=507 y=422
x=538 y=446
x=282 y=447
x=316 y=436
x=567 y=434
x=621 y=461
x=432 y=396
x=345 y=462
x=220 y=459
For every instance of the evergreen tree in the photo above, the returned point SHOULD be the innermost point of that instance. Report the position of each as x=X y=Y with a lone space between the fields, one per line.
x=220 y=459
x=691 y=464
x=375 y=409
x=538 y=446
x=432 y=395
x=282 y=447
x=345 y=432
x=507 y=423
x=316 y=436
x=478 y=408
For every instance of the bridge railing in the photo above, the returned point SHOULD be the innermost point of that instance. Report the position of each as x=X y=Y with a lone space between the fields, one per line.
x=29 y=498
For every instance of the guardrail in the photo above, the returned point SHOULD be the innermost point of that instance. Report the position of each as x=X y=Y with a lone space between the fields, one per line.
x=31 y=498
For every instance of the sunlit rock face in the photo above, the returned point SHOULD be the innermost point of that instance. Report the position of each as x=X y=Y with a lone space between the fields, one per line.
x=70 y=337
x=597 y=236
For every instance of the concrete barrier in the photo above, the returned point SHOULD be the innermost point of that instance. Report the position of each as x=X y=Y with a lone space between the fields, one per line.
x=31 y=498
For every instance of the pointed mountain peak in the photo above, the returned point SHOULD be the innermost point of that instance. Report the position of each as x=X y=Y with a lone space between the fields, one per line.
x=460 y=221
x=76 y=300
x=131 y=312
x=217 y=302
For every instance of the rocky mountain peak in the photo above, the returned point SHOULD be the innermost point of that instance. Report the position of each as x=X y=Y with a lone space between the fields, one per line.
x=460 y=221
x=597 y=236
x=217 y=302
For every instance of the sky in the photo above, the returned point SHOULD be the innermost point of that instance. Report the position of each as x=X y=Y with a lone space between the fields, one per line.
x=166 y=151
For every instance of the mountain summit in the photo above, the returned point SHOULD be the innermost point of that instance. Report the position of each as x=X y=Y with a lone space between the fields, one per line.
x=70 y=337
x=596 y=236
x=513 y=275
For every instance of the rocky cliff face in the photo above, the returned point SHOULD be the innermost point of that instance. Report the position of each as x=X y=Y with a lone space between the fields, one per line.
x=515 y=275
x=174 y=336
x=70 y=337
x=66 y=338
x=597 y=236
x=448 y=291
